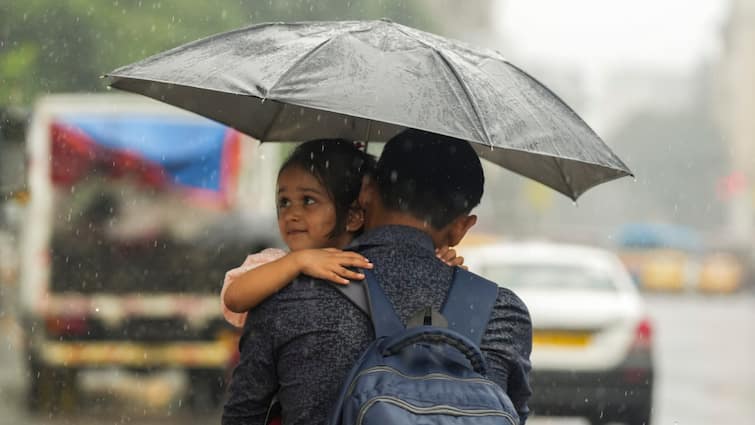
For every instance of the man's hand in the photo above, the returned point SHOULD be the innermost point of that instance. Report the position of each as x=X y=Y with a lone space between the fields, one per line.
x=331 y=264
x=448 y=256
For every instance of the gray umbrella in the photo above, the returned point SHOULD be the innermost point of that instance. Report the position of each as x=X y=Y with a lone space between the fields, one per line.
x=368 y=80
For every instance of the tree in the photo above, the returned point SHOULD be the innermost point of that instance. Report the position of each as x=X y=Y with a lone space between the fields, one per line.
x=55 y=46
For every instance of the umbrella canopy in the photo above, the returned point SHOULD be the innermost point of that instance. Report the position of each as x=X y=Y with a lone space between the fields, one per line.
x=369 y=80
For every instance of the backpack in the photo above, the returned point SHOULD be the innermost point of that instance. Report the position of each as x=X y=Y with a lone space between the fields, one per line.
x=431 y=373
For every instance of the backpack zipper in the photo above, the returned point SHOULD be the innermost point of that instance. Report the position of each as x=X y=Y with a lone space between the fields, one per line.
x=403 y=375
x=441 y=410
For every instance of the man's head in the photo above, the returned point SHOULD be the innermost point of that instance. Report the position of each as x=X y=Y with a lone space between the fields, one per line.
x=426 y=180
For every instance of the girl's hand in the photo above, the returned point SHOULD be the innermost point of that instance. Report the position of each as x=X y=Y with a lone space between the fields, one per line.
x=331 y=264
x=448 y=256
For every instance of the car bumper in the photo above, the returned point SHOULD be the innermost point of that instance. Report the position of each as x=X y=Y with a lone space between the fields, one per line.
x=613 y=393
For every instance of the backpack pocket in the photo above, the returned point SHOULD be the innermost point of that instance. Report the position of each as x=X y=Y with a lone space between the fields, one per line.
x=383 y=410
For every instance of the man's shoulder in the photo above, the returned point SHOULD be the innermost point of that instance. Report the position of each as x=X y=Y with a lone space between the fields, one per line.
x=301 y=305
x=305 y=288
x=505 y=296
x=508 y=296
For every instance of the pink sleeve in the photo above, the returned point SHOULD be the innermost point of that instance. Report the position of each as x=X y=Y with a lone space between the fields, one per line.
x=252 y=261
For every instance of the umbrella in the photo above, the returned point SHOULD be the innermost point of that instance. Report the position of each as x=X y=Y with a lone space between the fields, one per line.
x=369 y=80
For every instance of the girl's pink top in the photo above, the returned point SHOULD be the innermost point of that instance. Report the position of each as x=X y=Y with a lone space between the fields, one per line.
x=252 y=261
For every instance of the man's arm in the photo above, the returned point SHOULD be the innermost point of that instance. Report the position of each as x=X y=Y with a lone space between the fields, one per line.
x=507 y=345
x=254 y=381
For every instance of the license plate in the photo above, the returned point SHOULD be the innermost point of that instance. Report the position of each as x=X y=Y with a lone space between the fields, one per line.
x=561 y=338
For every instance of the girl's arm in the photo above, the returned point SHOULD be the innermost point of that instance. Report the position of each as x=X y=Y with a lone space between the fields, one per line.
x=256 y=285
x=251 y=261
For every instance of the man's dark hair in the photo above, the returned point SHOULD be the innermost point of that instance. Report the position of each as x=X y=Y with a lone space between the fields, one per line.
x=339 y=166
x=432 y=177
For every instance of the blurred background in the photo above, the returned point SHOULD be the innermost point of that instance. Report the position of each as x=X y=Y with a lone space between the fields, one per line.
x=669 y=85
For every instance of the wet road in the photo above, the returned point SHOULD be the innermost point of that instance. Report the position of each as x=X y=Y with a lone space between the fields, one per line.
x=705 y=348
x=705 y=373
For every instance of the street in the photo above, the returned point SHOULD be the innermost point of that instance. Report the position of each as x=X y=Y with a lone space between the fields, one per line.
x=704 y=347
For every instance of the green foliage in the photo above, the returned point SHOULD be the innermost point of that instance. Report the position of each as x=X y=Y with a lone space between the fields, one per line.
x=65 y=45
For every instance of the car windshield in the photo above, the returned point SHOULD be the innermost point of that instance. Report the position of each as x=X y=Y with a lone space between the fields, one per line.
x=548 y=276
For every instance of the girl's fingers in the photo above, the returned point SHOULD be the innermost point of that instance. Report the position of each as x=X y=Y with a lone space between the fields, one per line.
x=356 y=263
x=450 y=254
x=353 y=259
x=335 y=278
x=456 y=261
x=350 y=275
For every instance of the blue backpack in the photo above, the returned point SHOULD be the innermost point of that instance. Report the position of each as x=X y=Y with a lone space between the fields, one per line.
x=432 y=373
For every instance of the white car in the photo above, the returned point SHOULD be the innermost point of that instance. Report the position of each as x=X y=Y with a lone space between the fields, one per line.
x=592 y=346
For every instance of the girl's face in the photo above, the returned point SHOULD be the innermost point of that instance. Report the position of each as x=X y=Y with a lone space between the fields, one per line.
x=306 y=213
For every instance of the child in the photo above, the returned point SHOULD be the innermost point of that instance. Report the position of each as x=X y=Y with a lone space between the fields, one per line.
x=318 y=215
x=317 y=212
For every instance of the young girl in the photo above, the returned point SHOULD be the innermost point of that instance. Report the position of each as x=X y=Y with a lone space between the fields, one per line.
x=318 y=215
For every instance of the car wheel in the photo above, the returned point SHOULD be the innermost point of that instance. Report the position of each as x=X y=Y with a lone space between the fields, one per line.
x=641 y=416
x=206 y=389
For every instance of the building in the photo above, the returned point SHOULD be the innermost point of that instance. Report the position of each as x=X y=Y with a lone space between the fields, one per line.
x=736 y=106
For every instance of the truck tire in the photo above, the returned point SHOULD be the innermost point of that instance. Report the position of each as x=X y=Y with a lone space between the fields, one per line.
x=51 y=390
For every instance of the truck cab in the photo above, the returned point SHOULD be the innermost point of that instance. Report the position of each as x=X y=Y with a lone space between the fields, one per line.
x=136 y=211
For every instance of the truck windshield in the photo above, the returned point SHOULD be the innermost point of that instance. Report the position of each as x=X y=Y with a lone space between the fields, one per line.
x=117 y=236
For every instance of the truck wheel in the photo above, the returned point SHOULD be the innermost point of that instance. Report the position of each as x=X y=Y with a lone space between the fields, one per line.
x=51 y=390
x=206 y=390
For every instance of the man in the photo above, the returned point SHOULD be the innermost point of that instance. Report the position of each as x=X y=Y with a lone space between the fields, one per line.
x=301 y=343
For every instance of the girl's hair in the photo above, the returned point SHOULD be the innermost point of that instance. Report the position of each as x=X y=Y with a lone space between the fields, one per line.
x=339 y=166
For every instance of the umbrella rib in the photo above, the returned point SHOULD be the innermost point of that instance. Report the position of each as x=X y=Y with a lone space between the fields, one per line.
x=464 y=86
x=613 y=156
x=453 y=69
x=468 y=93
x=564 y=179
x=295 y=65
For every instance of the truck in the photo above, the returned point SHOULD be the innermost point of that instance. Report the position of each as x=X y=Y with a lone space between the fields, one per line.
x=136 y=209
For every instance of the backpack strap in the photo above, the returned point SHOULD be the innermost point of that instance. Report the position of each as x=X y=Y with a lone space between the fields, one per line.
x=356 y=291
x=384 y=318
x=469 y=304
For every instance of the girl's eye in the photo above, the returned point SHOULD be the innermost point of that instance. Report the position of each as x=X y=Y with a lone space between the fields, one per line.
x=308 y=200
x=283 y=203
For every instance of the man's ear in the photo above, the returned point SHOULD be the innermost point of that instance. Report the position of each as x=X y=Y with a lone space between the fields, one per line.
x=367 y=193
x=355 y=218
x=459 y=228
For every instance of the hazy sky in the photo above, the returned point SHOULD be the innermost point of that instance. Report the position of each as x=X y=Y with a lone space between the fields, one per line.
x=658 y=33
